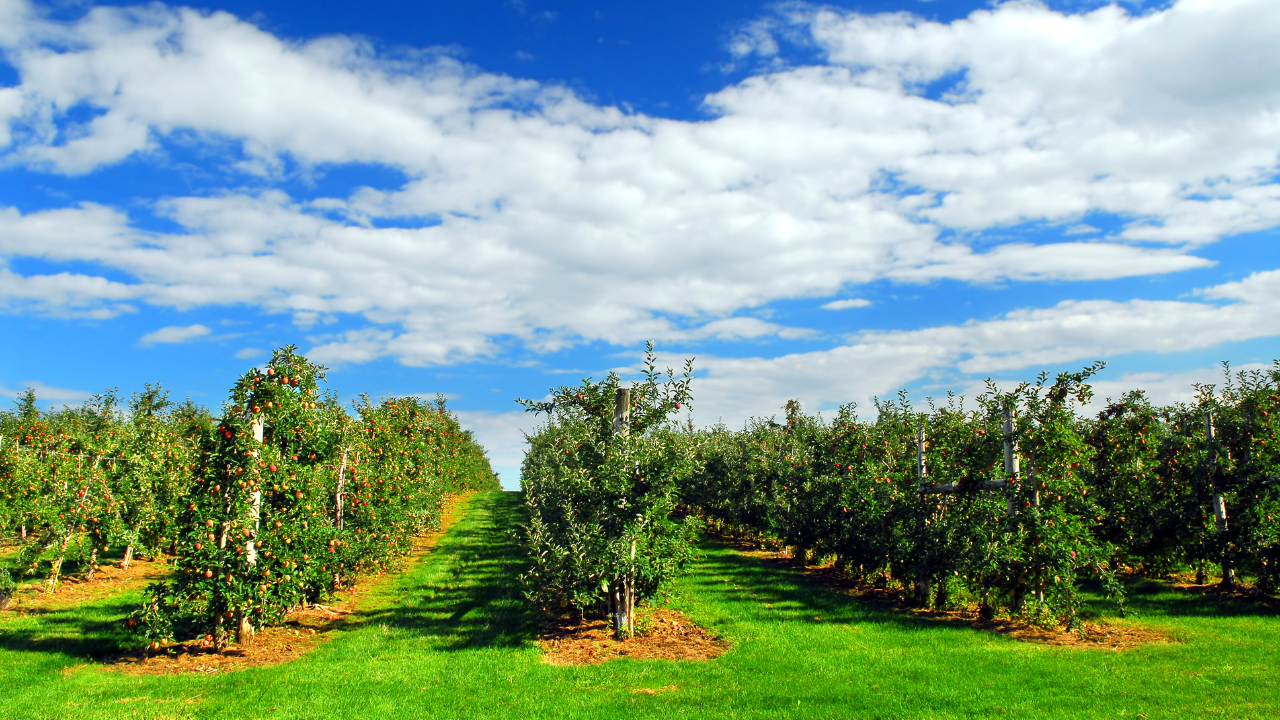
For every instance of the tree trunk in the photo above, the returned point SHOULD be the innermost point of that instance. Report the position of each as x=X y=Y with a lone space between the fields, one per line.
x=244 y=629
x=800 y=555
x=219 y=635
x=942 y=597
x=631 y=609
x=922 y=593
x=631 y=593
x=1019 y=600
x=57 y=565
x=93 y=564
x=128 y=558
x=985 y=611
x=620 y=620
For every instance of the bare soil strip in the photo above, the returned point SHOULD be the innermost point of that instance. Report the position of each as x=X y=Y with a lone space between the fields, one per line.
x=108 y=581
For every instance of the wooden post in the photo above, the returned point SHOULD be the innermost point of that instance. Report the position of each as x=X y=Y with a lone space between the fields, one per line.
x=922 y=582
x=623 y=595
x=22 y=529
x=1219 y=504
x=1012 y=467
x=342 y=481
x=255 y=514
x=1034 y=477
x=922 y=471
x=622 y=411
x=93 y=551
x=1013 y=470
x=244 y=622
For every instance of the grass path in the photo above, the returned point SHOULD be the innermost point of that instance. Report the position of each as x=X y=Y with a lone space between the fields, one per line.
x=451 y=638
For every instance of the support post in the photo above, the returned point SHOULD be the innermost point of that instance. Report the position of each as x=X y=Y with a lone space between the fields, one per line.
x=622 y=592
x=342 y=483
x=244 y=622
x=1013 y=470
x=922 y=589
x=1219 y=504
x=922 y=470
x=622 y=411
x=1012 y=467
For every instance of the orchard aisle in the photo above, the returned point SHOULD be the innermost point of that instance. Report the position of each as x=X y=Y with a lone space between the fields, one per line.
x=453 y=638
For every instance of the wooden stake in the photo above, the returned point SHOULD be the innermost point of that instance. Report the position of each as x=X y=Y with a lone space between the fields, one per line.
x=342 y=480
x=1012 y=468
x=922 y=471
x=244 y=621
x=1219 y=504
x=622 y=411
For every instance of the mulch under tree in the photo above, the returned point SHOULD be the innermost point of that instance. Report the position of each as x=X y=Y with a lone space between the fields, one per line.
x=662 y=634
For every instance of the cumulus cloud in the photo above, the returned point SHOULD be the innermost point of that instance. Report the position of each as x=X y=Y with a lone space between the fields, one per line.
x=878 y=363
x=174 y=334
x=846 y=304
x=502 y=435
x=46 y=395
x=552 y=221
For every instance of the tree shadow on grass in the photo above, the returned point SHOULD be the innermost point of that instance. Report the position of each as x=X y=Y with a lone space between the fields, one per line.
x=468 y=594
x=1161 y=598
x=796 y=596
x=768 y=590
x=92 y=632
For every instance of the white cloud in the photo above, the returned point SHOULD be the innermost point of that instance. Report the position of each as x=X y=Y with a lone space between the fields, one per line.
x=1169 y=116
x=846 y=304
x=502 y=436
x=878 y=363
x=1163 y=388
x=47 y=395
x=250 y=354
x=562 y=222
x=175 y=334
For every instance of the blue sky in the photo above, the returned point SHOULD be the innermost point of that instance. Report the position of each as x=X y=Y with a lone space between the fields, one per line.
x=484 y=199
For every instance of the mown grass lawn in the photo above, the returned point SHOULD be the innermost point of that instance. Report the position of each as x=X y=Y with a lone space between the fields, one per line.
x=458 y=643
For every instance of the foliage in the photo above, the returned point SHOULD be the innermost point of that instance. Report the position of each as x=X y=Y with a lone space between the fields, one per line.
x=254 y=524
x=293 y=498
x=602 y=493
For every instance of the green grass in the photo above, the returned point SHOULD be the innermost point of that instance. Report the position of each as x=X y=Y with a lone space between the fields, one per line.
x=458 y=644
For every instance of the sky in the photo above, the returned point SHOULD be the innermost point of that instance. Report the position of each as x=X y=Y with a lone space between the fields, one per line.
x=485 y=199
